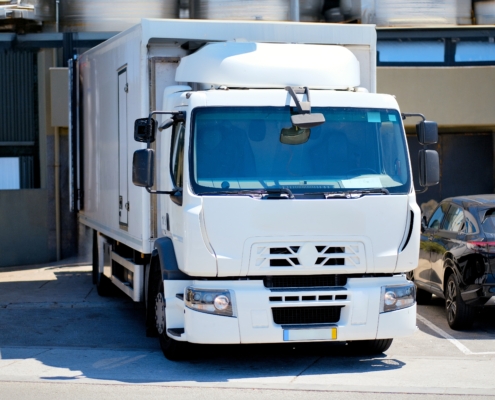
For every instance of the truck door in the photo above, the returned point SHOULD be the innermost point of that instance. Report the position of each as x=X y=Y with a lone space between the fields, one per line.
x=123 y=181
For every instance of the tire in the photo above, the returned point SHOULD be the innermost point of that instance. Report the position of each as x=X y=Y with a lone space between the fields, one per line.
x=172 y=349
x=104 y=286
x=459 y=315
x=154 y=275
x=370 y=347
x=422 y=296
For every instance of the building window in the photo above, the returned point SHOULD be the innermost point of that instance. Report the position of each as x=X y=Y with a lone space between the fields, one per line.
x=394 y=51
x=475 y=51
x=10 y=173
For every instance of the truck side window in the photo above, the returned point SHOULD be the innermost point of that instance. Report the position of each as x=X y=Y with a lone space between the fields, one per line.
x=178 y=155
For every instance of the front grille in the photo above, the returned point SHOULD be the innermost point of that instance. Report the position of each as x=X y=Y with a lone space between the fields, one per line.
x=297 y=255
x=304 y=281
x=306 y=315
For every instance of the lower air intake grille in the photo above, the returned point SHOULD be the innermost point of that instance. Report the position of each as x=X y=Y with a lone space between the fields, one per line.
x=306 y=315
x=304 y=281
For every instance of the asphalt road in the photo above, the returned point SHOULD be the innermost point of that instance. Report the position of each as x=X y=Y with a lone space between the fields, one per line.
x=59 y=340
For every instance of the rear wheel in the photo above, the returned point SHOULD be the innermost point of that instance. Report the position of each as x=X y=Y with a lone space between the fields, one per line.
x=104 y=286
x=370 y=347
x=459 y=315
x=172 y=349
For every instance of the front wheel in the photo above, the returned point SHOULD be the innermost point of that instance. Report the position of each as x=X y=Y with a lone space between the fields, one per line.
x=104 y=286
x=172 y=349
x=370 y=347
x=459 y=315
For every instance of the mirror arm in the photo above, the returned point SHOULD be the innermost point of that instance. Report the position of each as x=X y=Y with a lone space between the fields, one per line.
x=405 y=115
x=176 y=115
x=422 y=191
x=303 y=107
x=176 y=190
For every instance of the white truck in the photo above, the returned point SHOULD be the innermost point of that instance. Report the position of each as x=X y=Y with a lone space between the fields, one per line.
x=273 y=198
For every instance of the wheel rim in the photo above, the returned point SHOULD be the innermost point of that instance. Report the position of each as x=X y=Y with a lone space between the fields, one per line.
x=160 y=313
x=450 y=301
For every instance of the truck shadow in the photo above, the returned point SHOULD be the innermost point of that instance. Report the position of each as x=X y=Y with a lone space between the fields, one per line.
x=232 y=364
x=104 y=339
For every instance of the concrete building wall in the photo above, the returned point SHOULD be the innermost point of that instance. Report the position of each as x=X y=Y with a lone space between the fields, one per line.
x=28 y=218
x=462 y=101
x=24 y=227
x=459 y=98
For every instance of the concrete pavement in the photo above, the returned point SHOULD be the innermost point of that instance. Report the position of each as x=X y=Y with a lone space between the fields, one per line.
x=57 y=334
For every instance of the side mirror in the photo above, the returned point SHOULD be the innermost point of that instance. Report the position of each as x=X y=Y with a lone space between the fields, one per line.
x=429 y=168
x=144 y=132
x=142 y=168
x=427 y=132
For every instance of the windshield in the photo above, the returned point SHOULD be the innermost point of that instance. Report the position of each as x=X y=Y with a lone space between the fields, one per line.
x=240 y=148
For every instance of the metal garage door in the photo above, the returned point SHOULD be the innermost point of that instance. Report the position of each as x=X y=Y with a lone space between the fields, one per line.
x=466 y=165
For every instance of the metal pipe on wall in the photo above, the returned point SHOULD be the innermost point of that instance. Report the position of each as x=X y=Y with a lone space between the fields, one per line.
x=56 y=171
x=57 y=16
x=294 y=10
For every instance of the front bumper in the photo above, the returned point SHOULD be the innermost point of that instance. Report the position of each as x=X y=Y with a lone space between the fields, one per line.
x=359 y=303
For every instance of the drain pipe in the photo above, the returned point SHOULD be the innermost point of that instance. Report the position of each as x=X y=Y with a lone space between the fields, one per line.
x=294 y=10
x=57 y=191
x=57 y=15
x=56 y=171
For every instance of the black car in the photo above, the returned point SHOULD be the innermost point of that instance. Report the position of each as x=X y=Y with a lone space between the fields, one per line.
x=457 y=257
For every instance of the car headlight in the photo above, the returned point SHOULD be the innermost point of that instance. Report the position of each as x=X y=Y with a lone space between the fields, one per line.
x=211 y=301
x=397 y=297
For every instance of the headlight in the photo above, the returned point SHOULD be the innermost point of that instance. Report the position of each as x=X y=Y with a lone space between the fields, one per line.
x=211 y=301
x=397 y=297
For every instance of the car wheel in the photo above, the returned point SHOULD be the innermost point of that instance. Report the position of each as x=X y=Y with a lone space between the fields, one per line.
x=370 y=347
x=172 y=349
x=459 y=315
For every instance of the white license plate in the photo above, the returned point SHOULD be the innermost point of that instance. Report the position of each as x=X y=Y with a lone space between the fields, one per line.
x=310 y=334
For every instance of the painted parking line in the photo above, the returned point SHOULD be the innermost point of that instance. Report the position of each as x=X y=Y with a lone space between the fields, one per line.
x=449 y=337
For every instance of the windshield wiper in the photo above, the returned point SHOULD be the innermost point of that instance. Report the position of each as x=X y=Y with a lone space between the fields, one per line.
x=280 y=193
x=276 y=193
x=350 y=194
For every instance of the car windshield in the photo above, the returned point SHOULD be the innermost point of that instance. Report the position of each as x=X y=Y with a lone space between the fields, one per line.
x=242 y=148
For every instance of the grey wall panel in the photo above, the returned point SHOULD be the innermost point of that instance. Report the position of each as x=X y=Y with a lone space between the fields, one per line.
x=18 y=96
x=466 y=165
x=23 y=227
